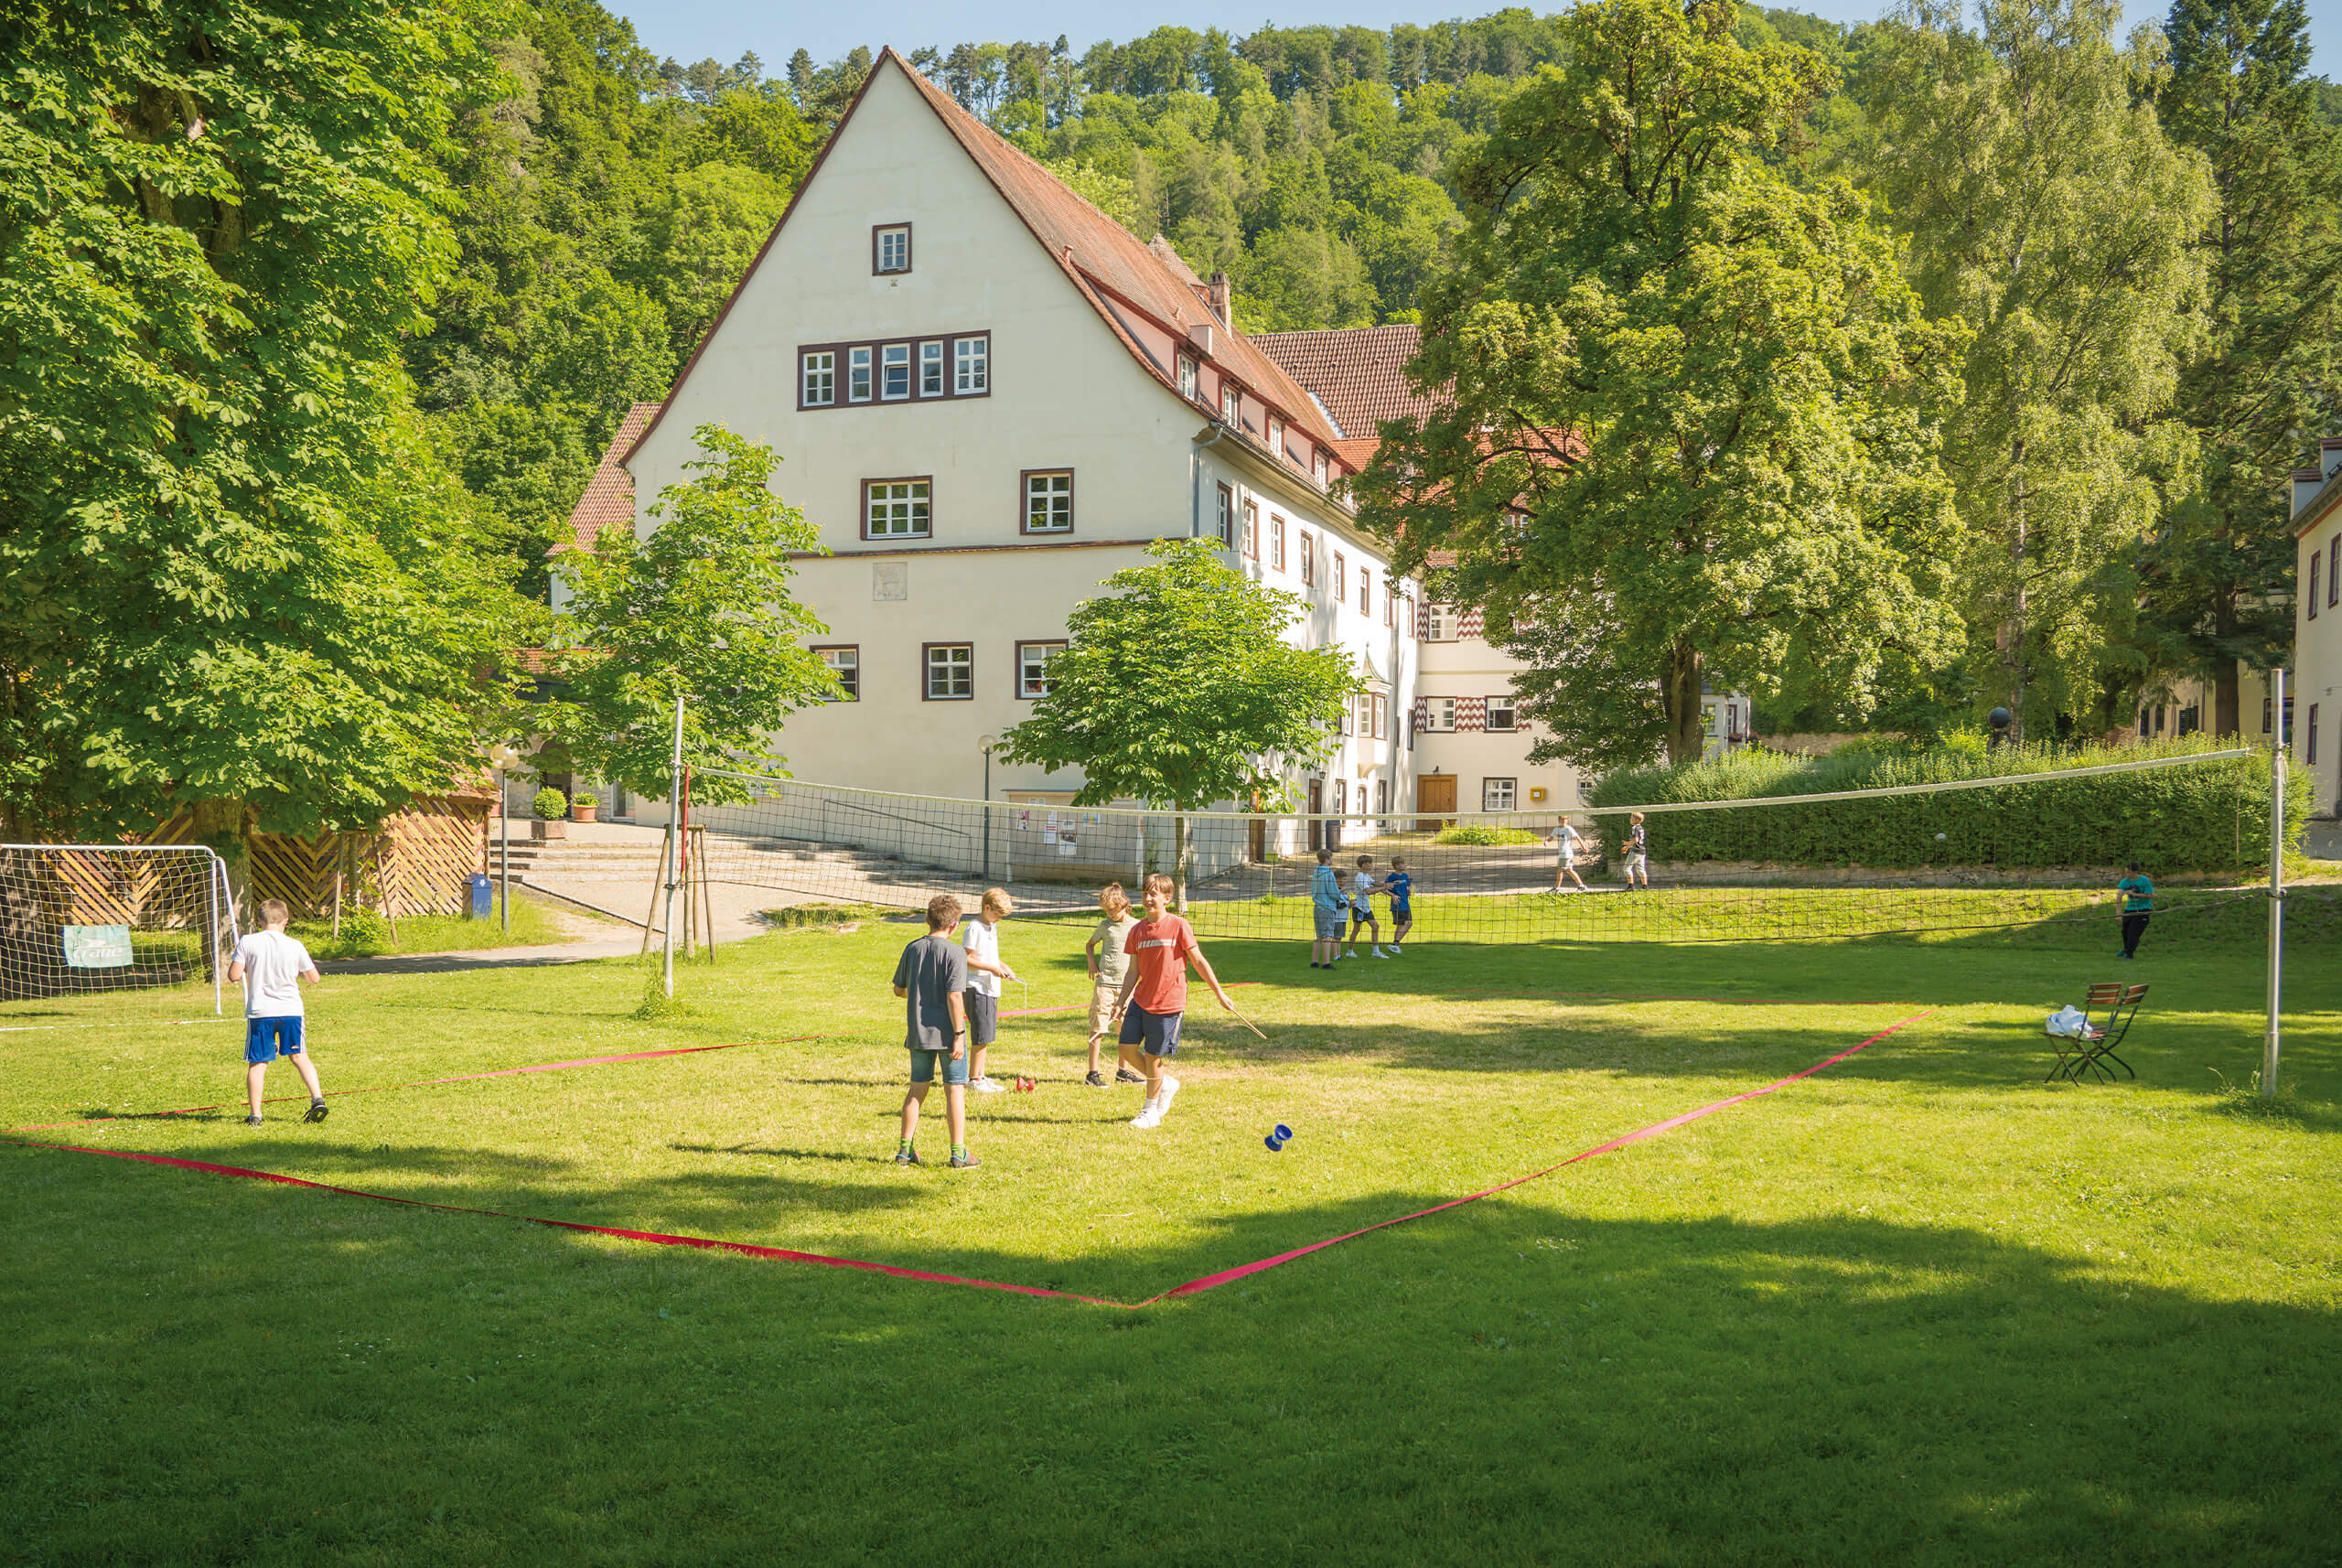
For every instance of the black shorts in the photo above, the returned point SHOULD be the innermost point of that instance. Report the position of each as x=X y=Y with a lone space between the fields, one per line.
x=983 y=1017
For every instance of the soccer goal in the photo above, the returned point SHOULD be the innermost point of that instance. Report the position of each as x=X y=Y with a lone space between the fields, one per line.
x=81 y=918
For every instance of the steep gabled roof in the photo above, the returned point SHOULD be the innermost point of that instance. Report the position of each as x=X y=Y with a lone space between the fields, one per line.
x=608 y=501
x=1359 y=373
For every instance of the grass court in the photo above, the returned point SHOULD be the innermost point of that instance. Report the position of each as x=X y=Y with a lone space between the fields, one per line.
x=1918 y=1308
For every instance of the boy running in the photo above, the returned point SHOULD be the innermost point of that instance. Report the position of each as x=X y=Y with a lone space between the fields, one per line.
x=272 y=965
x=1155 y=993
x=1401 y=888
x=930 y=977
x=1565 y=843
x=1329 y=908
x=2137 y=896
x=1362 y=887
x=1637 y=852
x=981 y=938
x=1108 y=964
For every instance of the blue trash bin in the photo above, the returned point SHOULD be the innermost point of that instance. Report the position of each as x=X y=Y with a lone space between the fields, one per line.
x=483 y=890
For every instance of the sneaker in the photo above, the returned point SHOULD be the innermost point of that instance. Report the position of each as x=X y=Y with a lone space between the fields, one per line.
x=316 y=1112
x=252 y=1121
x=1147 y=1117
x=1349 y=952
x=986 y=1086
x=1170 y=1088
x=907 y=1157
x=1394 y=950
x=967 y=1162
x=1380 y=953
x=1096 y=1081
x=1125 y=1075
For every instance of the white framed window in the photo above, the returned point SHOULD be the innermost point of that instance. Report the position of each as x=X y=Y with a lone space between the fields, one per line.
x=1342 y=578
x=1308 y=559
x=1350 y=717
x=1382 y=716
x=895 y=371
x=890 y=248
x=1365 y=591
x=1381 y=797
x=951 y=672
x=857 y=375
x=1231 y=401
x=1276 y=543
x=1321 y=469
x=1276 y=435
x=1439 y=623
x=846 y=667
x=895 y=509
x=1187 y=377
x=1439 y=716
x=1032 y=668
x=1496 y=794
x=1501 y=713
x=1227 y=516
x=1252 y=530
x=1048 y=500
x=821 y=388
x=930 y=369
x=971 y=366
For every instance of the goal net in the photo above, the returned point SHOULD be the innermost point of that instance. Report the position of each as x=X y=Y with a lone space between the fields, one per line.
x=1914 y=859
x=79 y=918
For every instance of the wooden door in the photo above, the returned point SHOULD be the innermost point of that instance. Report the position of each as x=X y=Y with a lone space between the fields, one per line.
x=1434 y=793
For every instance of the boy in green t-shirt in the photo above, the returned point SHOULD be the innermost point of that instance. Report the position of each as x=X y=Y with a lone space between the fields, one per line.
x=2136 y=894
x=1108 y=963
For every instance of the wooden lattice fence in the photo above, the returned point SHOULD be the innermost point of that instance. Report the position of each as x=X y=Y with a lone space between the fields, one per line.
x=415 y=866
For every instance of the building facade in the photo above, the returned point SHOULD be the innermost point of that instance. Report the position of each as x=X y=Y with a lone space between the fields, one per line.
x=2316 y=700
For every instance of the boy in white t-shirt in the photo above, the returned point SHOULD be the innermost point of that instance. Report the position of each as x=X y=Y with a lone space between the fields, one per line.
x=1363 y=887
x=981 y=936
x=1566 y=844
x=270 y=966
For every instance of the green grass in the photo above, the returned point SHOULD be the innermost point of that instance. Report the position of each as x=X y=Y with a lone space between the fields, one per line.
x=1918 y=1308
x=366 y=935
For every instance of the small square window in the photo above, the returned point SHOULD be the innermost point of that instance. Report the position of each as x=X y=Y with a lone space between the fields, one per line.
x=1187 y=377
x=951 y=672
x=972 y=367
x=1048 y=500
x=1439 y=623
x=1227 y=516
x=857 y=375
x=1032 y=668
x=1276 y=543
x=1496 y=794
x=846 y=668
x=1308 y=559
x=1501 y=713
x=890 y=248
x=895 y=371
x=821 y=389
x=931 y=370
x=895 y=509
x=1439 y=714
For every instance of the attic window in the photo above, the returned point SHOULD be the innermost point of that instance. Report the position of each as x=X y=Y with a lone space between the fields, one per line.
x=1276 y=435
x=890 y=248
x=1231 y=401
x=1187 y=378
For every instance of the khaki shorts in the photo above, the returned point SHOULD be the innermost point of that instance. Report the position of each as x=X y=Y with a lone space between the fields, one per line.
x=1102 y=1004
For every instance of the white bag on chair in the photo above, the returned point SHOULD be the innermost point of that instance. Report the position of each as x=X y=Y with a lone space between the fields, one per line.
x=2069 y=1020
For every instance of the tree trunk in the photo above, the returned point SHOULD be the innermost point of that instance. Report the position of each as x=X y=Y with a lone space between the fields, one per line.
x=225 y=828
x=1679 y=699
x=1180 y=860
x=2228 y=698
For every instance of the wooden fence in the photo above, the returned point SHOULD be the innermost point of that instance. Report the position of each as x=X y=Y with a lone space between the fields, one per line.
x=415 y=866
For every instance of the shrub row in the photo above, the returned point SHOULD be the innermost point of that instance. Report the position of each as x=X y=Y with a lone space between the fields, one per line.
x=2207 y=817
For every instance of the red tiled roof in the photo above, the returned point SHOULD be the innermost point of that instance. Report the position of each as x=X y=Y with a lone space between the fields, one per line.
x=608 y=501
x=1359 y=372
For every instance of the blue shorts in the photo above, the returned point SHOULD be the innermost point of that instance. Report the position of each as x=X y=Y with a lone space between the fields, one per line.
x=264 y=1037
x=1329 y=924
x=1158 y=1032
x=1401 y=914
x=983 y=1017
x=924 y=1063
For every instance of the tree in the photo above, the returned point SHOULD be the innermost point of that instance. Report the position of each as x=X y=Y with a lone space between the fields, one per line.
x=1180 y=689
x=700 y=609
x=234 y=574
x=1688 y=415
x=2218 y=575
x=2051 y=211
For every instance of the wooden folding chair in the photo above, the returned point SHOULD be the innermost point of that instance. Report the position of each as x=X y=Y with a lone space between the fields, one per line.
x=2109 y=1008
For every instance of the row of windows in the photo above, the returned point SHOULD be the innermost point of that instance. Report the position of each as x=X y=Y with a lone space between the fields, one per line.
x=905 y=507
x=2331 y=556
x=947 y=670
x=1499 y=713
x=832 y=374
x=1244 y=531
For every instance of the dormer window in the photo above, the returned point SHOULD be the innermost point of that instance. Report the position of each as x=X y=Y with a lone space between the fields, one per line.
x=1276 y=435
x=1323 y=474
x=1231 y=401
x=890 y=248
x=1187 y=378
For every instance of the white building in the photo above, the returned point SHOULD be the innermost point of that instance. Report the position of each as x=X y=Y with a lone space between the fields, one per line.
x=2317 y=710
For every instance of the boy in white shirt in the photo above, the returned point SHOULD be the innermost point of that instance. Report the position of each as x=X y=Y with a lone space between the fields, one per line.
x=981 y=936
x=271 y=966
x=1363 y=886
x=1565 y=847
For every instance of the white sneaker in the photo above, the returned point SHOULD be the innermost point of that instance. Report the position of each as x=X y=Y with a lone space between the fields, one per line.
x=1163 y=1106
x=986 y=1086
x=1380 y=953
x=1349 y=952
x=1149 y=1114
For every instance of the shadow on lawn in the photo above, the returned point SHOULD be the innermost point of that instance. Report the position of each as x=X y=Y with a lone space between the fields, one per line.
x=1507 y=1382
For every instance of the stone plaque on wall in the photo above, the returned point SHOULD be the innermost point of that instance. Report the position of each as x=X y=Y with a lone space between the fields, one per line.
x=890 y=581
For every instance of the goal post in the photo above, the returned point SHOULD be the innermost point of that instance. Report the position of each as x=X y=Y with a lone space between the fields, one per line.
x=77 y=919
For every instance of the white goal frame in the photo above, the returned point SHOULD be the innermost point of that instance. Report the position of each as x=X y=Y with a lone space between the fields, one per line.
x=219 y=903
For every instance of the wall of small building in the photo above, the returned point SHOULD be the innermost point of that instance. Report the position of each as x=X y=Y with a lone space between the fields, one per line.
x=2316 y=678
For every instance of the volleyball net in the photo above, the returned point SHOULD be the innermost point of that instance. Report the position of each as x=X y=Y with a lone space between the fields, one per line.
x=1934 y=858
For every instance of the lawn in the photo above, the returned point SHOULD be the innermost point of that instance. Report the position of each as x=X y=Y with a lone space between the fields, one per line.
x=1917 y=1308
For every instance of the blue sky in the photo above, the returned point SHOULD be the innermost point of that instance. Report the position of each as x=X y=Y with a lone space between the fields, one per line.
x=695 y=29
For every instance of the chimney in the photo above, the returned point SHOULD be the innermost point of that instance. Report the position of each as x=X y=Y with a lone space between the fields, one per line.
x=1222 y=304
x=2308 y=482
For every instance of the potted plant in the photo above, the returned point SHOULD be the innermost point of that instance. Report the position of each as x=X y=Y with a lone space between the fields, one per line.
x=552 y=809
x=583 y=802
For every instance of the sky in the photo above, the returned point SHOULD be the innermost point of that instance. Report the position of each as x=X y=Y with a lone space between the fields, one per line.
x=698 y=29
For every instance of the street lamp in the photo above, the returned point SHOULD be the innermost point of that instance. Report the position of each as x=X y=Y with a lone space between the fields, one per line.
x=502 y=756
x=986 y=742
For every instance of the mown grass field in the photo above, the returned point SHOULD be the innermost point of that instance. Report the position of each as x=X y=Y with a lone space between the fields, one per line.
x=1917 y=1308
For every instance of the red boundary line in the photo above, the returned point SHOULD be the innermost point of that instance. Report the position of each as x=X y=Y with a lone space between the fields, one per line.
x=1192 y=1287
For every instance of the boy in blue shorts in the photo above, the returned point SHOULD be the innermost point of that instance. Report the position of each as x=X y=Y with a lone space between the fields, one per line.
x=929 y=977
x=1401 y=888
x=270 y=966
x=1330 y=908
x=1154 y=993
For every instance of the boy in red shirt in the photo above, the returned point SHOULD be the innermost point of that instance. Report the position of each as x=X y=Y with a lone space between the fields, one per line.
x=1154 y=993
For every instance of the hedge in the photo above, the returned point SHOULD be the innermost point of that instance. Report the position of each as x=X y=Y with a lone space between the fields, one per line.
x=2210 y=817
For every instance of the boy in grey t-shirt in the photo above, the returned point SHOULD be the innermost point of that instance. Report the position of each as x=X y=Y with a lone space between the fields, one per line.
x=929 y=977
x=270 y=966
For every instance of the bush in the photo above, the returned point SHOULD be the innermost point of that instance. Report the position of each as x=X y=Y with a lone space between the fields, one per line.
x=2213 y=817
x=585 y=800
x=1481 y=834
x=550 y=804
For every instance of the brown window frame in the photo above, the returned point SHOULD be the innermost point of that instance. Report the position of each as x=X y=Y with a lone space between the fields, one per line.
x=1022 y=695
x=817 y=650
x=1250 y=524
x=1226 y=523
x=1024 y=477
x=1512 y=788
x=1276 y=543
x=1366 y=590
x=927 y=479
x=1487 y=710
x=1381 y=714
x=841 y=371
x=877 y=271
x=926 y=682
x=1342 y=578
x=1231 y=392
x=1308 y=547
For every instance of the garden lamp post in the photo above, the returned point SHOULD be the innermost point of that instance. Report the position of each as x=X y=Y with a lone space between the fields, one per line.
x=985 y=743
x=504 y=756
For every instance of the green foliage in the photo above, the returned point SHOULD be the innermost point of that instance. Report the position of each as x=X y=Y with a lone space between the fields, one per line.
x=1755 y=384
x=1482 y=833
x=1177 y=687
x=549 y=804
x=233 y=571
x=702 y=607
x=2211 y=817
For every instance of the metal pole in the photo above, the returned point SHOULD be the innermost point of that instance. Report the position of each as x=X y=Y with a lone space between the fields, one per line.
x=2271 y=1041
x=218 y=879
x=674 y=862
x=504 y=848
x=985 y=876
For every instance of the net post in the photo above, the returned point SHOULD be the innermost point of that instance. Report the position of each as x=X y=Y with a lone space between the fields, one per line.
x=674 y=804
x=211 y=937
x=2272 y=1040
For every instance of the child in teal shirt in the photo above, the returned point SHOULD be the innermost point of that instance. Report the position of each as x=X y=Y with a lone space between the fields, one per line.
x=2137 y=896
